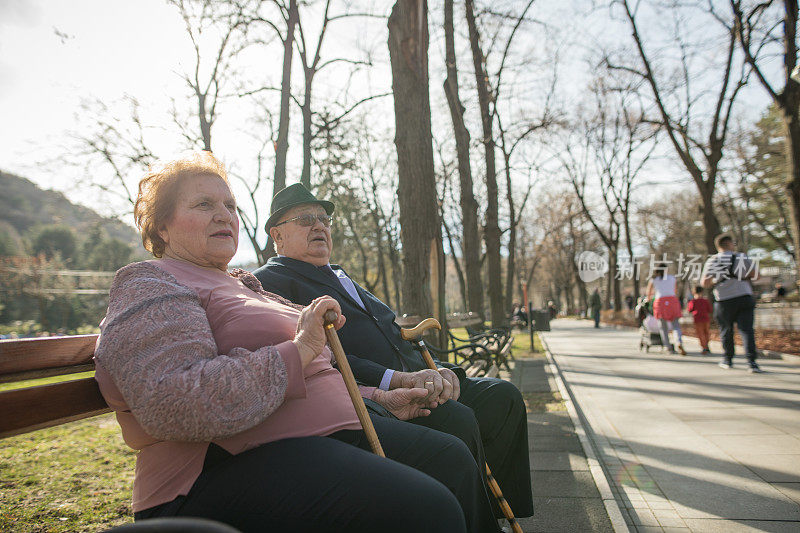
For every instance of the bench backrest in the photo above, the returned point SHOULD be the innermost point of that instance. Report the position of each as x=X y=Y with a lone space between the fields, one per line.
x=32 y=408
x=463 y=320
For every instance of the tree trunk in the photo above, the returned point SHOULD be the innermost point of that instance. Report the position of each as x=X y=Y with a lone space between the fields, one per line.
x=384 y=279
x=615 y=283
x=397 y=268
x=282 y=145
x=471 y=246
x=205 y=125
x=491 y=232
x=793 y=181
x=462 y=284
x=512 y=232
x=305 y=177
x=420 y=227
x=710 y=221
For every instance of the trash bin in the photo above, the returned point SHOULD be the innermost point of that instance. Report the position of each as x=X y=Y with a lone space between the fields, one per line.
x=541 y=320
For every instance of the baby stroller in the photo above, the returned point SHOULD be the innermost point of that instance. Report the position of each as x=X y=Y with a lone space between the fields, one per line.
x=648 y=325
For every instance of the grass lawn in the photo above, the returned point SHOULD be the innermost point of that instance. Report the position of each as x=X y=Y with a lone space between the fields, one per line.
x=521 y=348
x=73 y=477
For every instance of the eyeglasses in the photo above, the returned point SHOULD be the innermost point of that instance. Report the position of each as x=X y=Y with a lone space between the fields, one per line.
x=309 y=220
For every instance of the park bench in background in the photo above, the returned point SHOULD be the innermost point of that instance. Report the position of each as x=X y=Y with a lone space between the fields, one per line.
x=496 y=341
x=477 y=358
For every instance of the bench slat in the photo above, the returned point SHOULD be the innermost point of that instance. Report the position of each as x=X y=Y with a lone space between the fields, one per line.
x=24 y=410
x=46 y=373
x=23 y=355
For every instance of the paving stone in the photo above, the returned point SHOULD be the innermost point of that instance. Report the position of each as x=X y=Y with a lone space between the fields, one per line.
x=756 y=444
x=741 y=526
x=644 y=517
x=746 y=426
x=564 y=484
x=558 y=461
x=550 y=443
x=568 y=515
x=701 y=498
x=666 y=504
x=792 y=490
x=668 y=518
x=780 y=468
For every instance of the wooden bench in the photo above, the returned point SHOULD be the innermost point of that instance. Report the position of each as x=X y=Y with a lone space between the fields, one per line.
x=28 y=409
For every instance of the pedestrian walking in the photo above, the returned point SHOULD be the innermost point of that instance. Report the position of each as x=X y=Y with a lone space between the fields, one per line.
x=700 y=308
x=666 y=308
x=729 y=272
x=594 y=306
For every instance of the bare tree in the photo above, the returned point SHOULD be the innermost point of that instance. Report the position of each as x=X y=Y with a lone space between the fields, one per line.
x=310 y=58
x=110 y=149
x=701 y=158
x=756 y=29
x=471 y=247
x=200 y=17
x=611 y=145
x=491 y=230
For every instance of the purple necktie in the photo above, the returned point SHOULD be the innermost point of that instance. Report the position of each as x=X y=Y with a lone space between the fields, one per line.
x=328 y=271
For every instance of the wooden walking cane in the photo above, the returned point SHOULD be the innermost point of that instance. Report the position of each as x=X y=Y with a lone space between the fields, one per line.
x=350 y=382
x=415 y=335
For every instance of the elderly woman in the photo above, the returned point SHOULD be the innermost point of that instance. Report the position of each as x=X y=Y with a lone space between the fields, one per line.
x=228 y=392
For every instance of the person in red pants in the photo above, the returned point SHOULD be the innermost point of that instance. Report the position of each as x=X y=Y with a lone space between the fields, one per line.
x=701 y=312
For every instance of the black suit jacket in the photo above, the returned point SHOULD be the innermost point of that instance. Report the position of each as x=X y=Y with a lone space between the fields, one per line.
x=370 y=337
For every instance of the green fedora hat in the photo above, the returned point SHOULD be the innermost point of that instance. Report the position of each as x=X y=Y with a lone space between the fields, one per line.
x=292 y=196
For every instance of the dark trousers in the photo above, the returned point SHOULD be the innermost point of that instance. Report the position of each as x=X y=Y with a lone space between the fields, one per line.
x=739 y=311
x=332 y=484
x=596 y=316
x=490 y=418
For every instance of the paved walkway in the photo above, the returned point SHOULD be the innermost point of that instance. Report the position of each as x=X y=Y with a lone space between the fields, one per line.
x=565 y=496
x=687 y=445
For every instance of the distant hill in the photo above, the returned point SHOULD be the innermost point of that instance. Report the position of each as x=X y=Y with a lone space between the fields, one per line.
x=23 y=205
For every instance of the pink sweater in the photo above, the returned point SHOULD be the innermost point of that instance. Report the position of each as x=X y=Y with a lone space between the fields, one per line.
x=189 y=355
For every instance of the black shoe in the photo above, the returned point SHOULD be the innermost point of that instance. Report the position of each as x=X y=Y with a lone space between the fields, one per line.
x=727 y=365
x=755 y=369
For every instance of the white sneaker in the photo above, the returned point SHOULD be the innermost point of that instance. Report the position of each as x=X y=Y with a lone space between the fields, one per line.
x=726 y=365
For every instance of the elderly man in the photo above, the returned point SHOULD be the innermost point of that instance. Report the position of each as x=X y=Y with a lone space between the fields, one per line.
x=487 y=414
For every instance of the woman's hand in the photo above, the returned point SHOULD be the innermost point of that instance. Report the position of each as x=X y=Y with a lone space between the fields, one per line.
x=310 y=336
x=403 y=403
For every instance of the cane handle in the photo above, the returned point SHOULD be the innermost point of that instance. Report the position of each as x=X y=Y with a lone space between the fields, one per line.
x=417 y=331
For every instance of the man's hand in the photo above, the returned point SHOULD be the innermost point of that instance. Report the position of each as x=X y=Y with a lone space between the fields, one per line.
x=439 y=385
x=405 y=404
x=450 y=376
